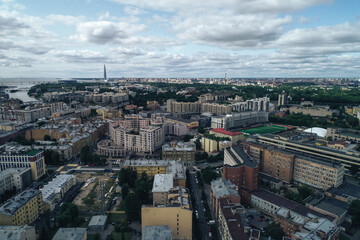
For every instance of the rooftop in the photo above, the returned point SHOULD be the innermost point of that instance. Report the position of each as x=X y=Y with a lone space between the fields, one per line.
x=10 y=207
x=346 y=190
x=99 y=220
x=329 y=204
x=223 y=131
x=162 y=182
x=160 y=232
x=70 y=234
x=223 y=187
x=56 y=185
x=16 y=232
x=235 y=156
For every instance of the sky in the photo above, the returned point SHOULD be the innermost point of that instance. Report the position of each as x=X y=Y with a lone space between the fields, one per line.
x=179 y=38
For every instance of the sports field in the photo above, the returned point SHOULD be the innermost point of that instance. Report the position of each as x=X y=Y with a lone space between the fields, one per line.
x=264 y=129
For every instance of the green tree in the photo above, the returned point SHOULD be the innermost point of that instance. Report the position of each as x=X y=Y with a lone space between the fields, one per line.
x=125 y=190
x=47 y=138
x=187 y=138
x=275 y=231
x=142 y=190
x=208 y=174
x=127 y=176
x=354 y=211
x=305 y=191
x=132 y=207
x=51 y=157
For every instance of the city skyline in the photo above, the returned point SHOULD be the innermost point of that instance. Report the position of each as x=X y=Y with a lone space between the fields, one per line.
x=262 y=38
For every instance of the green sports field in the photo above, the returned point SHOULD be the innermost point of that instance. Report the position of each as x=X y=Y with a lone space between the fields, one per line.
x=264 y=129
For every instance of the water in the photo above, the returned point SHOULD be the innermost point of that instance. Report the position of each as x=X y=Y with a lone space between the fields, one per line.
x=23 y=85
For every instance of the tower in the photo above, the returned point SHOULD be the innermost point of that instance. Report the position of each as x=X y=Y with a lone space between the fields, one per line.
x=105 y=72
x=282 y=99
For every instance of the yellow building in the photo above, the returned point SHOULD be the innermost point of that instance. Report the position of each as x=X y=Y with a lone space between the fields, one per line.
x=209 y=145
x=25 y=208
x=177 y=214
x=188 y=123
x=233 y=136
x=184 y=151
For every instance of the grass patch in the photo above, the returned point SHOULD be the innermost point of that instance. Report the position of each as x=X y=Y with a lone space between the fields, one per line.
x=93 y=237
x=117 y=235
x=264 y=129
x=116 y=217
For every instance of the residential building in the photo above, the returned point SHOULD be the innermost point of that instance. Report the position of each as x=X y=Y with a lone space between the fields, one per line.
x=233 y=136
x=18 y=178
x=231 y=222
x=17 y=156
x=176 y=128
x=108 y=149
x=344 y=134
x=161 y=186
x=54 y=191
x=222 y=188
x=71 y=234
x=23 y=209
x=153 y=167
x=173 y=106
x=191 y=124
x=176 y=214
x=217 y=109
x=312 y=111
x=346 y=192
x=241 y=170
x=184 y=151
x=318 y=172
x=23 y=232
x=269 y=181
x=282 y=100
x=252 y=105
x=162 y=232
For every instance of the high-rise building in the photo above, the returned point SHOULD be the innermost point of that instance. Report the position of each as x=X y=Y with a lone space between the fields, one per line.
x=105 y=73
x=282 y=99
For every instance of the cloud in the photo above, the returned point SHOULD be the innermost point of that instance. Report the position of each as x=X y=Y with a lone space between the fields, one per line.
x=231 y=32
x=10 y=25
x=64 y=19
x=102 y=32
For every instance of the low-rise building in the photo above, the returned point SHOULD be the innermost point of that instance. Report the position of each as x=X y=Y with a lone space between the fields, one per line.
x=162 y=232
x=237 y=120
x=222 y=188
x=97 y=223
x=18 y=178
x=346 y=192
x=55 y=190
x=176 y=214
x=23 y=232
x=71 y=234
x=23 y=209
x=162 y=184
x=184 y=151
x=233 y=136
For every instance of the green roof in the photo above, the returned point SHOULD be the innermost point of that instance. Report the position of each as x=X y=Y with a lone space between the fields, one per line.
x=32 y=152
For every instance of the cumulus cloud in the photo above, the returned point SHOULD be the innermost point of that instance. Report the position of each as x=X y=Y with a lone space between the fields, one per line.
x=64 y=19
x=102 y=32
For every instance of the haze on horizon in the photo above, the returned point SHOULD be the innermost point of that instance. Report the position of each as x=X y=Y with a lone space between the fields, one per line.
x=142 y=38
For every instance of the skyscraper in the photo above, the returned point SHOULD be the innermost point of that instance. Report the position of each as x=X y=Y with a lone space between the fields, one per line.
x=105 y=72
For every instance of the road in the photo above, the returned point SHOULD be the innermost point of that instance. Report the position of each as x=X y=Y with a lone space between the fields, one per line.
x=199 y=207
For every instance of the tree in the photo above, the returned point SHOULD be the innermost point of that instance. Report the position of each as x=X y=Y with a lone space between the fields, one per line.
x=51 y=157
x=125 y=190
x=275 y=231
x=198 y=143
x=127 y=176
x=354 y=211
x=305 y=191
x=201 y=130
x=68 y=215
x=188 y=137
x=132 y=207
x=47 y=138
x=142 y=190
x=208 y=174
x=354 y=169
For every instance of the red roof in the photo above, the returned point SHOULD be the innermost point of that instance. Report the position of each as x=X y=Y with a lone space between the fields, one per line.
x=223 y=131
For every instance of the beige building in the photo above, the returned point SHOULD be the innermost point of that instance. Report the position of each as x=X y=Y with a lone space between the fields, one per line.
x=25 y=208
x=312 y=111
x=71 y=234
x=184 y=151
x=343 y=134
x=211 y=145
x=182 y=107
x=317 y=172
x=162 y=184
x=20 y=178
x=177 y=214
x=233 y=136
x=218 y=109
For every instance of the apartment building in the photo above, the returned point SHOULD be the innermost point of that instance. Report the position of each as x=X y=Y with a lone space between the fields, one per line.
x=17 y=156
x=184 y=151
x=162 y=232
x=24 y=232
x=217 y=109
x=153 y=167
x=312 y=111
x=108 y=149
x=71 y=234
x=107 y=97
x=25 y=208
x=343 y=134
x=173 y=106
x=161 y=186
x=175 y=128
x=176 y=214
x=54 y=191
x=255 y=105
x=346 y=158
x=318 y=172
x=278 y=164
x=222 y=188
x=19 y=178
x=26 y=115
x=211 y=145
x=242 y=170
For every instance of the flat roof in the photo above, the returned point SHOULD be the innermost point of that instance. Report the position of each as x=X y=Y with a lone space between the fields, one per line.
x=329 y=204
x=99 y=220
x=162 y=182
x=223 y=131
x=16 y=232
x=223 y=187
x=346 y=189
x=70 y=234
x=10 y=207
x=159 y=232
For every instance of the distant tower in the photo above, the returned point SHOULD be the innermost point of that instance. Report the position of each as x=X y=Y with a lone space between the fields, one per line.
x=105 y=72
x=282 y=99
